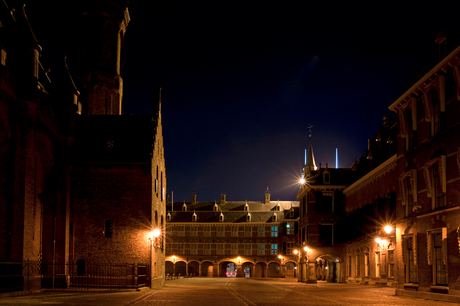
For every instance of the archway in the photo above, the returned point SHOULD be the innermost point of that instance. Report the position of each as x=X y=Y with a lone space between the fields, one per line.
x=169 y=268
x=248 y=269
x=181 y=269
x=207 y=269
x=260 y=269
x=227 y=269
x=290 y=270
x=273 y=269
x=328 y=268
x=194 y=268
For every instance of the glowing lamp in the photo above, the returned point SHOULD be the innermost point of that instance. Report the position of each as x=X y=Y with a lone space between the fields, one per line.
x=295 y=252
x=156 y=232
x=388 y=229
x=302 y=181
x=279 y=256
x=378 y=240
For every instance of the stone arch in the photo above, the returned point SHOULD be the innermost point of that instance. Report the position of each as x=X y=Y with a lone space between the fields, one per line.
x=260 y=269
x=330 y=267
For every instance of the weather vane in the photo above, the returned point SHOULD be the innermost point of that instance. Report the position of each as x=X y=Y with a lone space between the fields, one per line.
x=310 y=126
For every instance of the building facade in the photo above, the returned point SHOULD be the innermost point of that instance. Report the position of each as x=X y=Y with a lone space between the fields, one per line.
x=71 y=166
x=232 y=238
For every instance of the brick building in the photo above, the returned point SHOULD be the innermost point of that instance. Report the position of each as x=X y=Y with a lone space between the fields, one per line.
x=407 y=179
x=232 y=238
x=79 y=181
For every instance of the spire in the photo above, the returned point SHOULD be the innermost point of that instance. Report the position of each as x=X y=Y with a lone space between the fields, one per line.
x=311 y=165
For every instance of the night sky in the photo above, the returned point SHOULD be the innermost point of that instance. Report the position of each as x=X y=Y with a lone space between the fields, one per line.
x=243 y=81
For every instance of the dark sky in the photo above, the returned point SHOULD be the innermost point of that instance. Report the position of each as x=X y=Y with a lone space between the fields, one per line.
x=242 y=82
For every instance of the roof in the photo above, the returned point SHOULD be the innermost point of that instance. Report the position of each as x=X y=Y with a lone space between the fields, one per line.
x=337 y=176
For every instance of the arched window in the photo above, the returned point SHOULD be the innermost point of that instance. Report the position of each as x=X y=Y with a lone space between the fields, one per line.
x=274 y=217
x=215 y=208
x=248 y=217
x=221 y=217
x=194 y=217
x=184 y=207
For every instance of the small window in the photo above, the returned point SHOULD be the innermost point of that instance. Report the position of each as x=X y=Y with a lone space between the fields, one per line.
x=291 y=213
x=290 y=228
x=108 y=228
x=248 y=218
x=261 y=231
x=168 y=217
x=261 y=249
x=221 y=217
x=246 y=207
x=194 y=217
x=274 y=231
x=274 y=249
x=184 y=207
x=248 y=231
x=215 y=208
x=274 y=218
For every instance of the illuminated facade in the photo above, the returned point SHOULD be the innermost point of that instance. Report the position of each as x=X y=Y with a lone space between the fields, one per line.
x=232 y=238
x=83 y=182
x=395 y=217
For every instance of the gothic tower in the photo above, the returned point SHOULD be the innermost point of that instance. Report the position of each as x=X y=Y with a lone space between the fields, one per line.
x=99 y=35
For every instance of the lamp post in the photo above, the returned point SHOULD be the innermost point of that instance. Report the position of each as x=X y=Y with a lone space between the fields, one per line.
x=384 y=240
x=310 y=270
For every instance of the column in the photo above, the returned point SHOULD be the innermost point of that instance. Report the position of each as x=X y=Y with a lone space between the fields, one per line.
x=239 y=270
x=282 y=270
x=311 y=272
x=186 y=269
x=266 y=271
x=199 y=269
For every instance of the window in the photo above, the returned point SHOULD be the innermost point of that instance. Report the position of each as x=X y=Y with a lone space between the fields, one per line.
x=193 y=249
x=366 y=264
x=327 y=178
x=435 y=175
x=439 y=195
x=274 y=218
x=327 y=202
x=215 y=208
x=247 y=231
x=207 y=231
x=278 y=207
x=391 y=263
x=436 y=122
x=194 y=231
x=274 y=249
x=246 y=207
x=357 y=265
x=234 y=230
x=290 y=248
x=248 y=218
x=184 y=207
x=437 y=255
x=234 y=249
x=108 y=228
x=274 y=231
x=409 y=258
x=207 y=249
x=377 y=264
x=247 y=249
x=261 y=249
x=181 y=248
x=291 y=213
x=220 y=249
x=261 y=231
x=220 y=231
x=327 y=234
x=221 y=217
x=168 y=217
x=180 y=230
x=349 y=266
x=194 y=217
x=290 y=230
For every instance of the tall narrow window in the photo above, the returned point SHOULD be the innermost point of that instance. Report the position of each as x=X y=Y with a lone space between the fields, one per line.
x=234 y=248
x=220 y=231
x=207 y=231
x=439 y=266
x=261 y=231
x=327 y=202
x=290 y=248
x=247 y=231
x=290 y=228
x=439 y=195
x=391 y=263
x=194 y=231
x=220 y=249
x=108 y=228
x=274 y=231
x=366 y=264
x=234 y=230
x=349 y=266
x=207 y=249
x=357 y=265
x=409 y=252
x=261 y=249
x=193 y=249
x=247 y=249
x=377 y=264
x=274 y=249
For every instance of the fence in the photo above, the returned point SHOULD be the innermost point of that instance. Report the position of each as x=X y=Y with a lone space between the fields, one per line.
x=18 y=276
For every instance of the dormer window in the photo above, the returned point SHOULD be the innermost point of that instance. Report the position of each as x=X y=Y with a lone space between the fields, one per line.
x=291 y=213
x=274 y=217
x=327 y=177
x=246 y=207
x=278 y=206
x=221 y=217
x=215 y=208
x=168 y=217
x=194 y=217
x=248 y=217
x=184 y=207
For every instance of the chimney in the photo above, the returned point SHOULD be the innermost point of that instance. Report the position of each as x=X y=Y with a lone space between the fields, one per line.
x=267 y=196
x=193 y=199
x=222 y=198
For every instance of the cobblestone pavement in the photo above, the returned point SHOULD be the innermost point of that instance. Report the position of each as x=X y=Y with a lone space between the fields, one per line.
x=229 y=291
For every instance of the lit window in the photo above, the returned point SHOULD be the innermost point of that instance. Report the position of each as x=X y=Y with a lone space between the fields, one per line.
x=274 y=231
x=274 y=249
x=261 y=231
x=290 y=228
x=261 y=249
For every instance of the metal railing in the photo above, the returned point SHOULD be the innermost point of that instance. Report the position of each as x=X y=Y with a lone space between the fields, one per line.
x=28 y=275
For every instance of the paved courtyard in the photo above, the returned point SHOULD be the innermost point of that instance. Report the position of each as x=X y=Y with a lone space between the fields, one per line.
x=229 y=291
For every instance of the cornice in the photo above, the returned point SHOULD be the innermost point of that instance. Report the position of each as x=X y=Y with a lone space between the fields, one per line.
x=425 y=79
x=385 y=167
